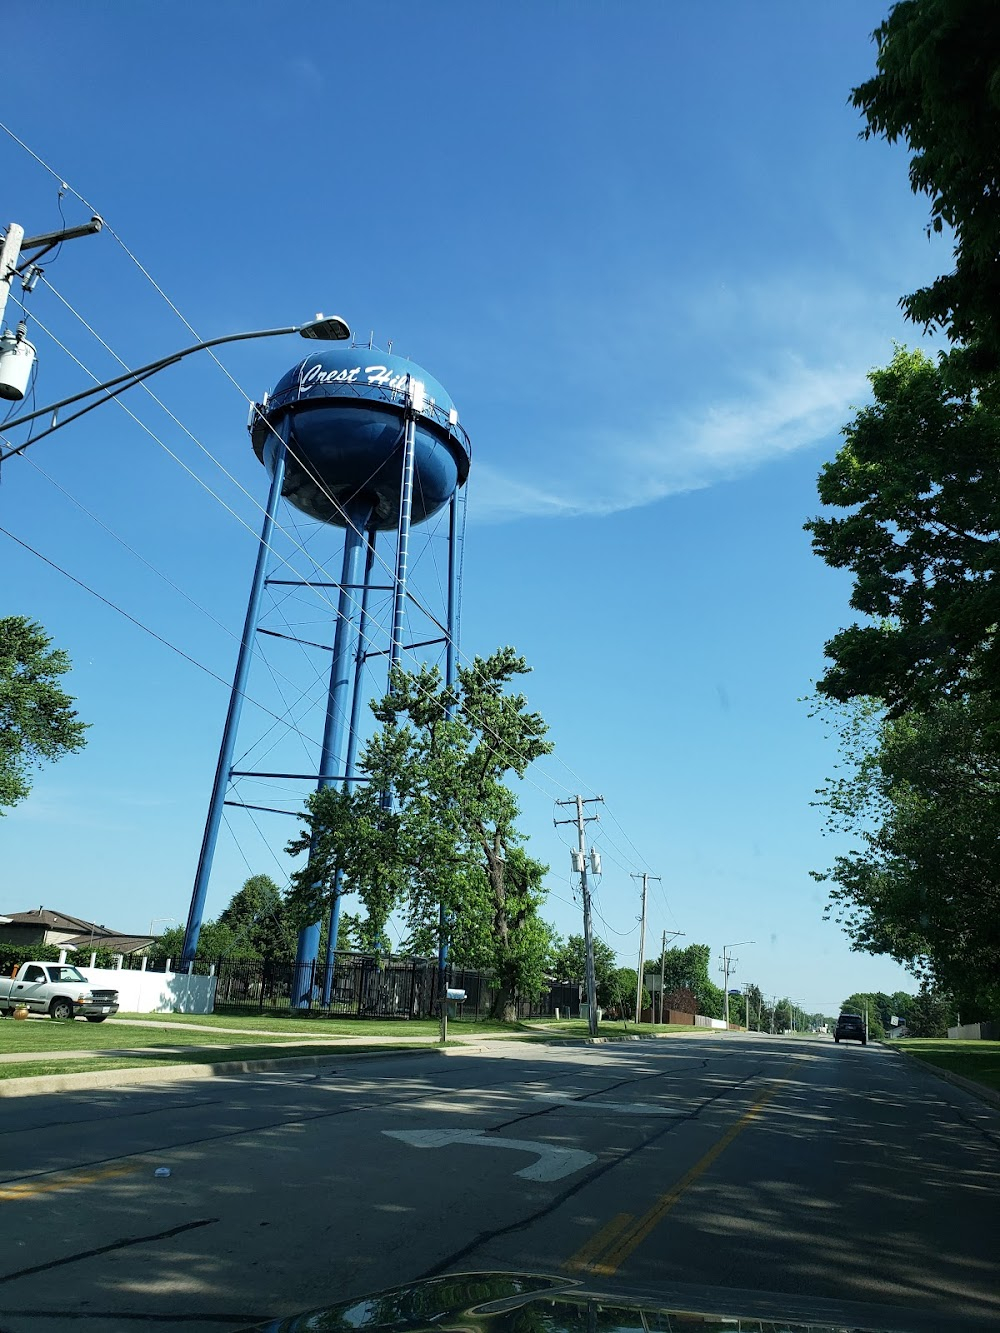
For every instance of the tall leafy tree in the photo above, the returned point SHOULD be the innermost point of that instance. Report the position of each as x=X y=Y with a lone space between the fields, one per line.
x=258 y=917
x=688 y=970
x=937 y=89
x=932 y=1013
x=215 y=941
x=569 y=963
x=922 y=883
x=918 y=490
x=38 y=723
x=435 y=821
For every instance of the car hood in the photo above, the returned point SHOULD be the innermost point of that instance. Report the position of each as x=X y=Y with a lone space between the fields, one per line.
x=535 y=1303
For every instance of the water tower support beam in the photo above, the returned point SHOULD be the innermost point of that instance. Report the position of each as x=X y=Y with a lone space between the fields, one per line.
x=451 y=659
x=224 y=765
x=349 y=766
x=403 y=539
x=357 y=516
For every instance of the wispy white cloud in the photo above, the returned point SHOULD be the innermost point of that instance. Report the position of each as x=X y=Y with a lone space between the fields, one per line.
x=774 y=414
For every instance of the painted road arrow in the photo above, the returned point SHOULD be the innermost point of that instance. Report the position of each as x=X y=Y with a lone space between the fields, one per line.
x=552 y=1163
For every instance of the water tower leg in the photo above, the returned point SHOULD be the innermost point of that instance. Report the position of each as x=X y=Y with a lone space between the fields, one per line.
x=335 y=731
x=403 y=542
x=225 y=762
x=352 y=757
x=451 y=660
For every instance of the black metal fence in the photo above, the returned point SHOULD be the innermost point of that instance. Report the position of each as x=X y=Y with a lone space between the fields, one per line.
x=367 y=986
x=360 y=986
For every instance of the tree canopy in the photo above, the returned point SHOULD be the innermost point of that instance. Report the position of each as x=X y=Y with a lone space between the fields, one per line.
x=38 y=723
x=920 y=796
x=937 y=88
x=688 y=969
x=569 y=964
x=917 y=474
x=256 y=923
x=434 y=821
x=258 y=918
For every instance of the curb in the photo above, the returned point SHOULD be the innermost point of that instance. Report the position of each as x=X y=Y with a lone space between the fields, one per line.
x=979 y=1090
x=40 y=1084
x=117 y=1078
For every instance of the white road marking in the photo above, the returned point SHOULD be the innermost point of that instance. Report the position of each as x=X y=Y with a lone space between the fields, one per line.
x=552 y=1163
x=625 y=1108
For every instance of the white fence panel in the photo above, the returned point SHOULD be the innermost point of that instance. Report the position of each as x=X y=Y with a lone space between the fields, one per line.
x=142 y=992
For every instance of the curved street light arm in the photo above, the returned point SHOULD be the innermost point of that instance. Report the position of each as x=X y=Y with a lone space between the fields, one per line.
x=143 y=372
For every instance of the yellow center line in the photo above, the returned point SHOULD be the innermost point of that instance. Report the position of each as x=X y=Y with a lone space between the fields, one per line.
x=620 y=1243
x=27 y=1189
x=597 y=1242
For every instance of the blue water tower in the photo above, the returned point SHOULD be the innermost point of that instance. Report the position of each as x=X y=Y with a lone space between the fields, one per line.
x=368 y=443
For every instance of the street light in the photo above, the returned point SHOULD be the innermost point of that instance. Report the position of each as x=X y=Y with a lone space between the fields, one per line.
x=725 y=973
x=326 y=328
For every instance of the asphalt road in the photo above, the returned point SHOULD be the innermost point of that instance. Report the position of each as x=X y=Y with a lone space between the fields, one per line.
x=731 y=1173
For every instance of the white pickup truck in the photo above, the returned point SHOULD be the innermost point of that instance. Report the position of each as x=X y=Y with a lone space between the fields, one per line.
x=57 y=989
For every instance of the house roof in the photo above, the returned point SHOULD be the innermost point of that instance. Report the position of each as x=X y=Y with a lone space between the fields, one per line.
x=116 y=943
x=55 y=921
x=81 y=934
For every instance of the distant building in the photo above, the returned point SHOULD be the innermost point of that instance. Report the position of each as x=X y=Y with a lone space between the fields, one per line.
x=43 y=926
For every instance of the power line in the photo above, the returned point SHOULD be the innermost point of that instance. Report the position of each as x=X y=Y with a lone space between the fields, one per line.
x=159 y=290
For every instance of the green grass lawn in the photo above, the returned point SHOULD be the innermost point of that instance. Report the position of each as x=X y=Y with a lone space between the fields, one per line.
x=308 y=1024
x=45 y=1034
x=205 y=1055
x=978 y=1060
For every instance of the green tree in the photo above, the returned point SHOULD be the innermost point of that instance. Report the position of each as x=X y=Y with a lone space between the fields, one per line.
x=258 y=917
x=937 y=88
x=922 y=885
x=862 y=1002
x=38 y=723
x=918 y=481
x=902 y=1003
x=931 y=1014
x=688 y=969
x=569 y=963
x=448 y=756
x=215 y=941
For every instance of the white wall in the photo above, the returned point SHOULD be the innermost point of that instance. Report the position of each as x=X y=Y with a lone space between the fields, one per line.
x=155 y=992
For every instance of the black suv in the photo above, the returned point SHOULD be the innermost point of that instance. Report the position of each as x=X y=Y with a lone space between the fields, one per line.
x=850 y=1027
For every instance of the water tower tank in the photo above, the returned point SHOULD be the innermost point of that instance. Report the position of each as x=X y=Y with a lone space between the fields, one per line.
x=348 y=413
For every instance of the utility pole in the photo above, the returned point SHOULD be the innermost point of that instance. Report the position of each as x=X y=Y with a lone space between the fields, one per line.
x=663 y=963
x=17 y=355
x=727 y=964
x=642 y=941
x=15 y=245
x=580 y=865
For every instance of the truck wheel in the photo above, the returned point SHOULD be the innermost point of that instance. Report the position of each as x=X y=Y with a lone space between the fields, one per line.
x=61 y=1008
x=96 y=1018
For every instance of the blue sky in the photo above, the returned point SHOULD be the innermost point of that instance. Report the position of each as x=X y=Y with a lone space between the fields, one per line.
x=644 y=250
